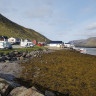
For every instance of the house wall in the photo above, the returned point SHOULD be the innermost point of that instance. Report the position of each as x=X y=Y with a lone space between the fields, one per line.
x=67 y=45
x=55 y=45
x=12 y=40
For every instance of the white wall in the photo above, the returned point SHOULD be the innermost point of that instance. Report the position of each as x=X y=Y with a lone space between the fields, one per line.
x=55 y=45
x=12 y=40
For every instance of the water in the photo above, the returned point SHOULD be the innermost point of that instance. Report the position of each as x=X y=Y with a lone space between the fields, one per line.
x=91 y=51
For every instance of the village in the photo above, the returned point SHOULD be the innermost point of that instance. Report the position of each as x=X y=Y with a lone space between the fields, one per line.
x=13 y=42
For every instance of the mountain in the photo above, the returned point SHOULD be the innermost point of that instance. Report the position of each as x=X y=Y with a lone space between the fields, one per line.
x=11 y=29
x=90 y=42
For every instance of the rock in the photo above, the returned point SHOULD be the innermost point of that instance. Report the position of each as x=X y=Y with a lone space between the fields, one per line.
x=28 y=55
x=17 y=91
x=24 y=54
x=34 y=55
x=3 y=58
x=22 y=91
x=9 y=58
x=1 y=54
x=13 y=58
x=7 y=61
x=5 y=87
x=21 y=58
x=49 y=93
x=12 y=54
x=16 y=52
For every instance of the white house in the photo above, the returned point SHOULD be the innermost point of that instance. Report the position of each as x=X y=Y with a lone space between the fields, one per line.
x=13 y=40
x=26 y=43
x=58 y=44
x=68 y=45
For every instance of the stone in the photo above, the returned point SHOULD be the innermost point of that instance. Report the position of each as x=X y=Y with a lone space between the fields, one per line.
x=22 y=91
x=12 y=54
x=5 y=87
x=17 y=91
x=7 y=61
x=21 y=58
x=16 y=52
x=3 y=58
x=13 y=58
x=28 y=55
x=49 y=93
x=1 y=54
x=24 y=54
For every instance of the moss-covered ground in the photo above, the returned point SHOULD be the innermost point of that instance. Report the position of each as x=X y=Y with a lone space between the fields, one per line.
x=64 y=71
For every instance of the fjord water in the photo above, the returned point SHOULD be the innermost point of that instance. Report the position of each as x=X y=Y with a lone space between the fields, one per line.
x=91 y=51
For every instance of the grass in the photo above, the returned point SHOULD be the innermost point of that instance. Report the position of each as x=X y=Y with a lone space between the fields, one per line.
x=5 y=51
x=67 y=72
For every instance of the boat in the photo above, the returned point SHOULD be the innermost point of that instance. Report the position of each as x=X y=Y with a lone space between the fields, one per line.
x=83 y=50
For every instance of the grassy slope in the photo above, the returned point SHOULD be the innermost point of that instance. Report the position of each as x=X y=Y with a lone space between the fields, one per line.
x=64 y=71
x=11 y=29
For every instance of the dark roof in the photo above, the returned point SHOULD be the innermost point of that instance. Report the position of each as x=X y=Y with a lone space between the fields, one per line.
x=55 y=42
x=67 y=43
x=3 y=37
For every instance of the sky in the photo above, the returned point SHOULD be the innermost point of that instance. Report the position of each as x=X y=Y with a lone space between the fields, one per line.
x=62 y=20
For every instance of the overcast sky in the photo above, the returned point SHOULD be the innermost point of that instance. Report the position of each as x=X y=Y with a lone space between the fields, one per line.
x=56 y=19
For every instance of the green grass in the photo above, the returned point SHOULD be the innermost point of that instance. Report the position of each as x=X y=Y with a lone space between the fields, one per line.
x=22 y=49
x=64 y=71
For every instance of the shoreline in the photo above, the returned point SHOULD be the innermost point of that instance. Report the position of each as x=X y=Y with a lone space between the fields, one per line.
x=12 y=69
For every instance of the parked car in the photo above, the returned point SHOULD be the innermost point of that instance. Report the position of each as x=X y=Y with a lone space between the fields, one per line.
x=5 y=45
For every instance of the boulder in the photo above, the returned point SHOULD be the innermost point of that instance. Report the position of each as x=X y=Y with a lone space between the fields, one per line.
x=3 y=58
x=1 y=54
x=24 y=54
x=21 y=58
x=5 y=87
x=22 y=91
x=12 y=54
x=17 y=91
x=28 y=55
x=7 y=61
x=49 y=93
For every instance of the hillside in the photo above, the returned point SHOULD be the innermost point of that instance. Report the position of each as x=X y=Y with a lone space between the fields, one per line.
x=90 y=42
x=11 y=29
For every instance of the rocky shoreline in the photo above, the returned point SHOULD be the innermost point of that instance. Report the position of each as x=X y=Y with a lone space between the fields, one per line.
x=21 y=55
x=10 y=69
x=6 y=89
